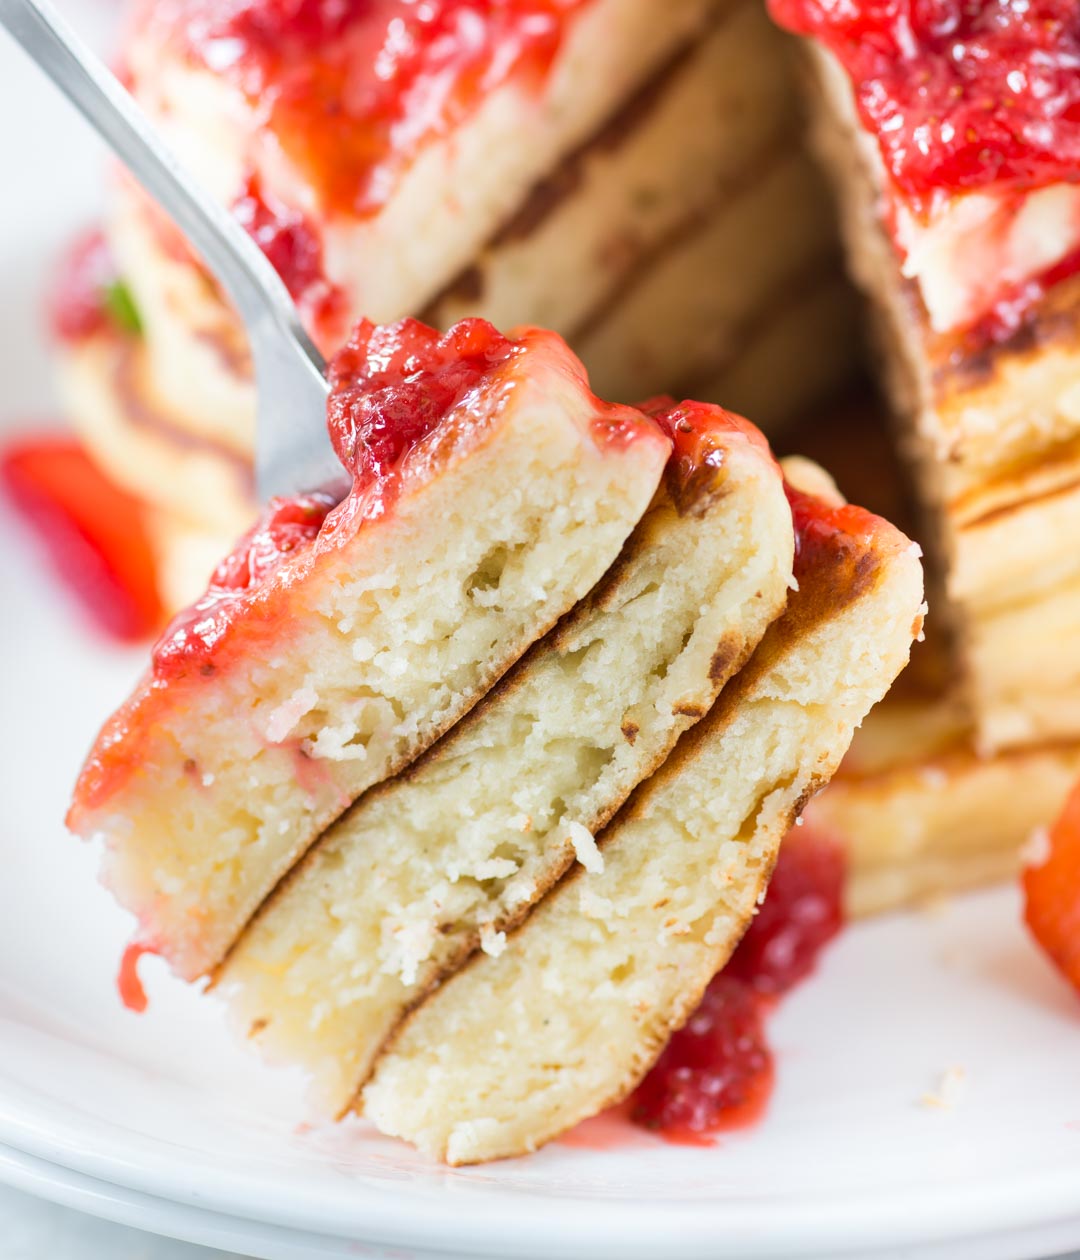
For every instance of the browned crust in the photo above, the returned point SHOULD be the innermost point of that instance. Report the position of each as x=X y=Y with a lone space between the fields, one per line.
x=692 y=226
x=555 y=188
x=961 y=363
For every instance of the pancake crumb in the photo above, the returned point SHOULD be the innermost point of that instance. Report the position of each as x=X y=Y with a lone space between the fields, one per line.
x=585 y=848
x=950 y=1091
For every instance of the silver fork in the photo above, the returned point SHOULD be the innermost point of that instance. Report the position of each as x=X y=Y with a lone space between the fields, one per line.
x=293 y=451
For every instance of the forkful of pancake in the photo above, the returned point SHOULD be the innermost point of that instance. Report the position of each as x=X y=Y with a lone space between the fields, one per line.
x=467 y=773
x=461 y=790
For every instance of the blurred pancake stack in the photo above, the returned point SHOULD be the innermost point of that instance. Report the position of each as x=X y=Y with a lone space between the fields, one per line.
x=637 y=185
x=952 y=139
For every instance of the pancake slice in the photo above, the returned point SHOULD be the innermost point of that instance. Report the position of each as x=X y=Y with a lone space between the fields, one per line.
x=513 y=1050
x=491 y=490
x=441 y=860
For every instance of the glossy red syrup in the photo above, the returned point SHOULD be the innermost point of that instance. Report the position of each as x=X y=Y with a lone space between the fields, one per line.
x=285 y=527
x=94 y=533
x=698 y=432
x=1013 y=305
x=1052 y=893
x=294 y=247
x=716 y=1073
x=828 y=537
x=960 y=94
x=76 y=302
x=391 y=385
x=352 y=89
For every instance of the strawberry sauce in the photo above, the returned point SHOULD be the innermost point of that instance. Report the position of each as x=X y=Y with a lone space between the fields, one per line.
x=716 y=1073
x=128 y=984
x=391 y=386
x=286 y=526
x=352 y=89
x=294 y=247
x=829 y=538
x=960 y=94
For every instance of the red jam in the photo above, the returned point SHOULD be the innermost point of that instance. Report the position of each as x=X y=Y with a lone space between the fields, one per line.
x=1013 y=305
x=698 y=432
x=285 y=527
x=94 y=532
x=828 y=537
x=1052 y=892
x=352 y=89
x=128 y=984
x=801 y=914
x=77 y=302
x=961 y=94
x=293 y=246
x=391 y=385
x=716 y=1072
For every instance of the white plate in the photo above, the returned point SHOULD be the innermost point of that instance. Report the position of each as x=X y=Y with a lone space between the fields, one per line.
x=161 y=1121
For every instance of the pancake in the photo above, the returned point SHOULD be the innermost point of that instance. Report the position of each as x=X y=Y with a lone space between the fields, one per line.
x=145 y=445
x=514 y=1049
x=446 y=857
x=491 y=490
x=942 y=824
x=989 y=422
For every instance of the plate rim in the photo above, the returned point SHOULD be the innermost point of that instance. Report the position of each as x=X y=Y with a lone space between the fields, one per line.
x=912 y=1216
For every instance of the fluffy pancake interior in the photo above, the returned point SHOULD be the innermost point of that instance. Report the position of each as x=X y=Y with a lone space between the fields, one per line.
x=382 y=648
x=442 y=859
x=513 y=1050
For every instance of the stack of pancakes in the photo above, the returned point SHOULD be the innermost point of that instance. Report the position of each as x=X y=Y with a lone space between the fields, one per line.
x=646 y=196
x=975 y=306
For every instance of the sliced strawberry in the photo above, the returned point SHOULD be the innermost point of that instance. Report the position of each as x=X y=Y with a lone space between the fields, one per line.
x=1052 y=892
x=94 y=533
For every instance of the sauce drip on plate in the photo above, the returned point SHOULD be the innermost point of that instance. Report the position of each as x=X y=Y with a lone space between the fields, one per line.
x=717 y=1071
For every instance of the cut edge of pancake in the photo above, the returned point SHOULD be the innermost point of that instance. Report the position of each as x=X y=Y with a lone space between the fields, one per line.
x=498 y=1061
x=409 y=876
